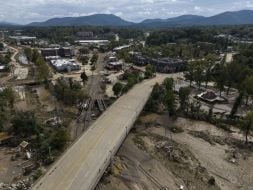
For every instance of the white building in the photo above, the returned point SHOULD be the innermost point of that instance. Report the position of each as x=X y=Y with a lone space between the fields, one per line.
x=65 y=65
x=93 y=42
x=121 y=47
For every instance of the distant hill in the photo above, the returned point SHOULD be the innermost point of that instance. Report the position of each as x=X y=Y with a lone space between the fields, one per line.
x=2 y=23
x=92 y=20
x=231 y=18
x=227 y=18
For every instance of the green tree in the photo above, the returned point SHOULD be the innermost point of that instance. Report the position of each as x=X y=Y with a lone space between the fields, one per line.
x=220 y=78
x=25 y=124
x=59 y=140
x=155 y=99
x=184 y=94
x=247 y=125
x=207 y=71
x=169 y=102
x=83 y=59
x=68 y=91
x=94 y=59
x=247 y=86
x=43 y=71
x=168 y=83
x=189 y=74
x=84 y=51
x=1 y=46
x=237 y=104
x=84 y=77
x=35 y=55
x=231 y=73
x=149 y=71
x=28 y=53
x=7 y=98
x=198 y=73
x=117 y=88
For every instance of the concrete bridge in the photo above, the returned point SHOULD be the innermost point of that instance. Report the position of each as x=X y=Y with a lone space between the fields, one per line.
x=83 y=164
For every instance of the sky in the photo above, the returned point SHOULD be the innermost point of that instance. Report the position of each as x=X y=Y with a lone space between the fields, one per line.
x=26 y=11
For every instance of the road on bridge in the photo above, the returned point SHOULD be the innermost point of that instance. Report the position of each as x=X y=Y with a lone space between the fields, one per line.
x=83 y=164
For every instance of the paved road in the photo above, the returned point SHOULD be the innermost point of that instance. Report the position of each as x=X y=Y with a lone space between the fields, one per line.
x=81 y=166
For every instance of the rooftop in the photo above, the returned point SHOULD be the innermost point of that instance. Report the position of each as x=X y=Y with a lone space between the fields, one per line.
x=63 y=62
x=121 y=47
x=23 y=37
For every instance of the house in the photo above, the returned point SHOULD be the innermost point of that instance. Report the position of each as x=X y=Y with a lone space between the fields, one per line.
x=211 y=97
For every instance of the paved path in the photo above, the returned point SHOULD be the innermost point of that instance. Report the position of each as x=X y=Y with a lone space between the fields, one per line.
x=81 y=166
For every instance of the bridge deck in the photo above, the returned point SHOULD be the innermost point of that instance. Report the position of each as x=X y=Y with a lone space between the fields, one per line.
x=81 y=166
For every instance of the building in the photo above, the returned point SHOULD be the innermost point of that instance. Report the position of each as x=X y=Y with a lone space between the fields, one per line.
x=88 y=35
x=211 y=97
x=24 y=40
x=168 y=65
x=65 y=65
x=65 y=52
x=117 y=65
x=84 y=34
x=49 y=52
x=162 y=65
x=112 y=62
x=62 y=52
x=121 y=47
x=93 y=42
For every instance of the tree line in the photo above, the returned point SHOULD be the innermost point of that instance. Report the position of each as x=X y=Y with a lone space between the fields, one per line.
x=42 y=69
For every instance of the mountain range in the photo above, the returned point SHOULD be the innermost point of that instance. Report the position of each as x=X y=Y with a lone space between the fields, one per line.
x=93 y=20
x=226 y=18
x=2 y=23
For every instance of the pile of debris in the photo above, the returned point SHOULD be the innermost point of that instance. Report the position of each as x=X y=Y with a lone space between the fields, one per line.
x=23 y=184
x=211 y=139
x=174 y=152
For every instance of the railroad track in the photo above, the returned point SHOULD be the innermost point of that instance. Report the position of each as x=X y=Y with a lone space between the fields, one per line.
x=152 y=179
x=85 y=117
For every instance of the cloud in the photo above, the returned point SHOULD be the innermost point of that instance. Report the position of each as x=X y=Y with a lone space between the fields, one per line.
x=25 y=11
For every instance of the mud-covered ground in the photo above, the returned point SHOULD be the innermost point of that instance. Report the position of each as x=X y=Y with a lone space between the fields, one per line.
x=199 y=156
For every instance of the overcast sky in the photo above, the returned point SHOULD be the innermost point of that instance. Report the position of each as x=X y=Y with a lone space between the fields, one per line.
x=26 y=11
